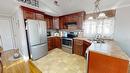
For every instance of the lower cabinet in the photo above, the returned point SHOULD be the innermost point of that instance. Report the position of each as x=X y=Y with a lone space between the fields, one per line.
x=101 y=63
x=54 y=42
x=50 y=43
x=57 y=42
x=80 y=46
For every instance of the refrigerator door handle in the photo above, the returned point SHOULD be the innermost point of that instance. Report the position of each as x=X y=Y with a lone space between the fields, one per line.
x=39 y=44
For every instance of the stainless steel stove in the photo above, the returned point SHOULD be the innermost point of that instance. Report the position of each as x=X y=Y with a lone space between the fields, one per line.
x=68 y=40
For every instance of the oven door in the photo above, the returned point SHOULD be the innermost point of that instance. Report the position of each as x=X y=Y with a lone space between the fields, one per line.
x=67 y=42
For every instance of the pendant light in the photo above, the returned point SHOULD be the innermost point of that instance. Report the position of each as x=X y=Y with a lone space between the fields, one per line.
x=97 y=13
x=99 y=17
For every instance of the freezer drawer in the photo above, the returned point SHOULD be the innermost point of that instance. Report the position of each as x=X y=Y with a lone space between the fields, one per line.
x=38 y=51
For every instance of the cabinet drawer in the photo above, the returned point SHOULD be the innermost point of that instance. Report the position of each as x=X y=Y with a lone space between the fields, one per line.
x=78 y=42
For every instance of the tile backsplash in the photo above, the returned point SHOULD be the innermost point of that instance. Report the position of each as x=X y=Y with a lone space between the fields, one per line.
x=63 y=33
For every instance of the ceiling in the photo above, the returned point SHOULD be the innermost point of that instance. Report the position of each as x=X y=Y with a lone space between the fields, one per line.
x=65 y=6
x=70 y=6
x=7 y=7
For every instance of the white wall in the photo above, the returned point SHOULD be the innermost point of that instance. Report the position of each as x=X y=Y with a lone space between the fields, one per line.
x=122 y=28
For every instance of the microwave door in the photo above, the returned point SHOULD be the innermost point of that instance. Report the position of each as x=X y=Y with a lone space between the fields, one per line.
x=33 y=33
x=43 y=32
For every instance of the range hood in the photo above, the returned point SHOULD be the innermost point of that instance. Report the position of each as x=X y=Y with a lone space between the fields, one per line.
x=70 y=23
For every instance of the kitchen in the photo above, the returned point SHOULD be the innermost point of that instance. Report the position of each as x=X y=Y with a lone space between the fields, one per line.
x=68 y=40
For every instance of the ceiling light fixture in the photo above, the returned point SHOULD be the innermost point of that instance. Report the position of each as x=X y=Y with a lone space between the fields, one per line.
x=97 y=13
x=99 y=17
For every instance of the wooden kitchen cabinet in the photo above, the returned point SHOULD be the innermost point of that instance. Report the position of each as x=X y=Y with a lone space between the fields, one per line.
x=78 y=17
x=50 y=43
x=28 y=14
x=39 y=16
x=62 y=21
x=80 y=46
x=54 y=42
x=57 y=42
x=49 y=21
x=101 y=63
x=107 y=57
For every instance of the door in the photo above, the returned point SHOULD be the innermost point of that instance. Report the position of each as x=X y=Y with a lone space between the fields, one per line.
x=6 y=37
x=43 y=31
x=38 y=51
x=33 y=33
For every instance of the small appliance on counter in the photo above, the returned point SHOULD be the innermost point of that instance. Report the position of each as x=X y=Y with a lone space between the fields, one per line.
x=57 y=33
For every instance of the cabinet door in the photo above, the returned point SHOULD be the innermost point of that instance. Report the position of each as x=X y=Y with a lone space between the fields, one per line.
x=50 y=43
x=57 y=42
x=39 y=16
x=86 y=44
x=28 y=14
x=62 y=21
x=49 y=21
x=78 y=47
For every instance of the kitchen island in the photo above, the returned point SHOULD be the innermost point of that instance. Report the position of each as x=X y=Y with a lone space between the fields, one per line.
x=107 y=58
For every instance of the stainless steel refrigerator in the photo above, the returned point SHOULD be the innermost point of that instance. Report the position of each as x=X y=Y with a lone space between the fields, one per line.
x=37 y=38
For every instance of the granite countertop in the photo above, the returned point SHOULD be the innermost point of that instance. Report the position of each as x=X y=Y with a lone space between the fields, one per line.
x=82 y=38
x=109 y=48
x=52 y=36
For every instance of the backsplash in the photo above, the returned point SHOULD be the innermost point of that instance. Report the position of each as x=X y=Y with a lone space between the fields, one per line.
x=63 y=33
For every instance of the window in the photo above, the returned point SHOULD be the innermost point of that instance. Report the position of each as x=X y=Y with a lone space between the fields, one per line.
x=104 y=27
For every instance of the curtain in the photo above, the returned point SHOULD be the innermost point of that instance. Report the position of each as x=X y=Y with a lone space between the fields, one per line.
x=105 y=27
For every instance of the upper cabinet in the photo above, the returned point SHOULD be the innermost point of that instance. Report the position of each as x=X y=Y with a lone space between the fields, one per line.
x=49 y=21
x=28 y=13
x=32 y=14
x=39 y=16
x=75 y=17
x=62 y=21
x=55 y=22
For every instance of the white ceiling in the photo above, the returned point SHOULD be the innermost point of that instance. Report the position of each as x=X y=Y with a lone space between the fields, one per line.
x=70 y=6
x=66 y=6
x=7 y=7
